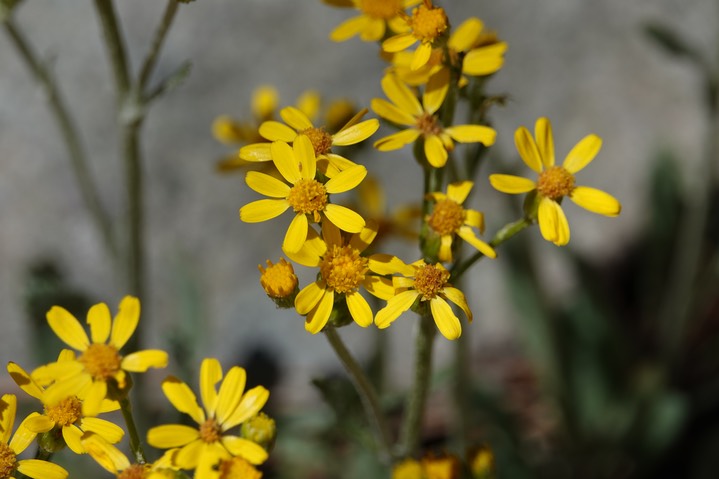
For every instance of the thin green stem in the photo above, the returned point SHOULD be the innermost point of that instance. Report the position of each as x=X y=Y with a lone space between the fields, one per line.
x=69 y=133
x=115 y=47
x=411 y=431
x=367 y=394
x=135 y=443
x=157 y=42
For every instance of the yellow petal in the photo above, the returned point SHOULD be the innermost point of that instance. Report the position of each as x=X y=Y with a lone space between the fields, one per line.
x=256 y=152
x=287 y=164
x=445 y=249
x=511 y=184
x=296 y=234
x=67 y=328
x=459 y=191
x=190 y=454
x=98 y=317
x=267 y=185
x=458 y=298
x=421 y=56
x=93 y=398
x=107 y=455
x=72 y=436
x=171 y=435
x=395 y=141
x=467 y=234
x=527 y=149
x=359 y=309
x=23 y=436
x=399 y=42
x=264 y=101
x=276 y=131
x=390 y=112
x=349 y=28
x=344 y=218
x=346 y=180
x=545 y=142
x=340 y=163
x=374 y=30
x=295 y=118
x=24 y=381
x=8 y=406
x=309 y=296
x=435 y=151
x=475 y=219
x=251 y=404
x=596 y=201
x=305 y=155
x=446 y=321
x=583 y=153
x=484 y=60
x=317 y=318
x=230 y=394
x=126 y=319
x=356 y=133
x=378 y=286
x=382 y=263
x=465 y=35
x=39 y=469
x=364 y=238
x=395 y=307
x=248 y=450
x=263 y=210
x=141 y=361
x=401 y=95
x=472 y=134
x=436 y=91
x=183 y=399
x=331 y=234
x=552 y=222
x=309 y=103
x=109 y=431
x=210 y=375
x=73 y=385
x=311 y=252
x=38 y=423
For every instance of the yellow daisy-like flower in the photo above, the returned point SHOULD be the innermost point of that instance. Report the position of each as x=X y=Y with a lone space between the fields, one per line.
x=427 y=25
x=11 y=448
x=555 y=182
x=204 y=446
x=279 y=281
x=116 y=462
x=450 y=219
x=299 y=124
x=307 y=196
x=65 y=415
x=424 y=282
x=343 y=271
x=100 y=363
x=422 y=120
x=375 y=18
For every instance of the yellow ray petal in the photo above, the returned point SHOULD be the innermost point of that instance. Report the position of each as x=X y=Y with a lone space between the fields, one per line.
x=395 y=141
x=475 y=219
x=98 y=317
x=356 y=133
x=108 y=456
x=511 y=184
x=445 y=249
x=263 y=210
x=401 y=95
x=399 y=42
x=446 y=321
x=109 y=431
x=390 y=112
x=484 y=60
x=230 y=394
x=344 y=218
x=267 y=185
x=374 y=30
x=583 y=153
x=38 y=423
x=436 y=91
x=331 y=234
x=256 y=152
x=472 y=134
x=309 y=296
x=296 y=234
x=382 y=263
x=296 y=118
x=171 y=435
x=458 y=298
x=552 y=222
x=435 y=151
x=23 y=436
x=248 y=450
x=24 y=381
x=93 y=398
x=459 y=191
x=276 y=131
x=527 y=149
x=72 y=436
x=210 y=375
x=190 y=454
x=284 y=159
x=465 y=35
x=8 y=406
x=545 y=141
x=37 y=469
x=346 y=180
x=126 y=319
x=395 y=307
x=67 y=328
x=305 y=155
x=251 y=404
x=141 y=361
x=467 y=234
x=317 y=318
x=596 y=201
x=421 y=56
x=359 y=309
x=349 y=28
x=364 y=238
x=378 y=286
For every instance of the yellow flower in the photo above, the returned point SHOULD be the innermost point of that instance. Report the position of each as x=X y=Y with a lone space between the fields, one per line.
x=376 y=16
x=343 y=270
x=116 y=462
x=448 y=219
x=427 y=25
x=425 y=282
x=407 y=469
x=441 y=467
x=481 y=462
x=10 y=448
x=204 y=446
x=307 y=196
x=235 y=468
x=100 y=363
x=422 y=120
x=279 y=282
x=299 y=124
x=555 y=182
x=65 y=415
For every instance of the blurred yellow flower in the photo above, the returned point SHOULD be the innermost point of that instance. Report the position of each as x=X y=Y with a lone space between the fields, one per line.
x=445 y=466
x=422 y=120
x=407 y=469
x=116 y=462
x=307 y=196
x=376 y=17
x=555 y=182
x=427 y=24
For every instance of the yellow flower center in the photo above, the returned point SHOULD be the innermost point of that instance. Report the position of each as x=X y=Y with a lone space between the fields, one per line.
x=278 y=280
x=8 y=460
x=447 y=217
x=102 y=361
x=382 y=9
x=321 y=140
x=343 y=269
x=428 y=124
x=238 y=468
x=66 y=412
x=430 y=280
x=308 y=196
x=210 y=431
x=555 y=183
x=428 y=22
x=135 y=471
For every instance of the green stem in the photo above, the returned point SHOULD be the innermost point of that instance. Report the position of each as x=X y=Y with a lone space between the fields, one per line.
x=69 y=133
x=135 y=444
x=460 y=390
x=157 y=42
x=366 y=392
x=414 y=412
x=115 y=47
x=508 y=231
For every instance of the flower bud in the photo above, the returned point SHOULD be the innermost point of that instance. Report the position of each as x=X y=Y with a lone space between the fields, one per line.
x=280 y=282
x=260 y=429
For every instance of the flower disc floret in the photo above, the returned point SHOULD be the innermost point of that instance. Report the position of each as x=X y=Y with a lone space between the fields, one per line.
x=278 y=280
x=210 y=431
x=447 y=217
x=66 y=412
x=237 y=468
x=430 y=280
x=102 y=361
x=343 y=269
x=428 y=22
x=308 y=196
x=428 y=124
x=8 y=460
x=321 y=140
x=555 y=183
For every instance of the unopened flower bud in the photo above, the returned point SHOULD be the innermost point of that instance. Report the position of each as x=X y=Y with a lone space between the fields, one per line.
x=260 y=429
x=51 y=441
x=280 y=283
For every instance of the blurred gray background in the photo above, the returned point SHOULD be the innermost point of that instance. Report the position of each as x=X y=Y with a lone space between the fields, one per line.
x=585 y=64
